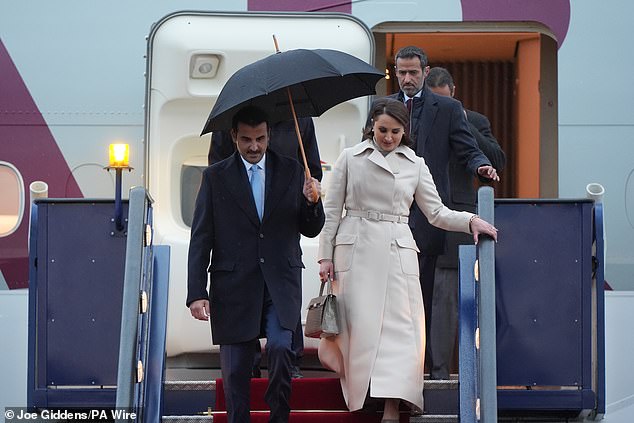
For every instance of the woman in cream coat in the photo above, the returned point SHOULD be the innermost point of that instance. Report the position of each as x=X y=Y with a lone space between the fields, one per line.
x=371 y=256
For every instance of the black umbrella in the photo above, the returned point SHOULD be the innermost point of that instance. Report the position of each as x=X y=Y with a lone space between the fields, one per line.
x=317 y=79
x=292 y=84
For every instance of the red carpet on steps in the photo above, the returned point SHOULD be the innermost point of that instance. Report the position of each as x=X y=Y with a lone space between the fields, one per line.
x=306 y=394
x=314 y=417
x=313 y=400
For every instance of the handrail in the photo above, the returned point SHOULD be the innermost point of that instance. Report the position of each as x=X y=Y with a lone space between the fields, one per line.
x=157 y=314
x=468 y=323
x=486 y=313
x=477 y=327
x=127 y=370
x=478 y=376
x=598 y=332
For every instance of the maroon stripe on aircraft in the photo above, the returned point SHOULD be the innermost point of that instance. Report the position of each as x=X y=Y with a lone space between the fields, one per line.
x=300 y=6
x=27 y=143
x=555 y=14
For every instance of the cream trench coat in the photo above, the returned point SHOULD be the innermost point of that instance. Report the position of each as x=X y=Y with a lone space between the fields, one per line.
x=382 y=342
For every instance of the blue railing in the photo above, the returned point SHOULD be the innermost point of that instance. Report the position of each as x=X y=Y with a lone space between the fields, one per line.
x=539 y=312
x=478 y=373
x=143 y=316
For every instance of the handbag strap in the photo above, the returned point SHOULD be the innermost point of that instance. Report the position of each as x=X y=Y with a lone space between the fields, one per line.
x=321 y=288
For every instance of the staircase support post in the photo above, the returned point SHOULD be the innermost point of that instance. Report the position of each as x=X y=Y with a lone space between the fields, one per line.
x=486 y=285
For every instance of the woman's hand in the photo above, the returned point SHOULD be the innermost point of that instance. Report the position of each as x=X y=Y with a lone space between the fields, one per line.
x=326 y=270
x=479 y=226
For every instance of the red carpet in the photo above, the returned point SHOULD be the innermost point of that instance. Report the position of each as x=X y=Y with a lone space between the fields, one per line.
x=306 y=394
x=313 y=400
x=314 y=417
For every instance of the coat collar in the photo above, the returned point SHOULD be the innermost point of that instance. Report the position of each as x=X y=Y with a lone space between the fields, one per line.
x=277 y=177
x=237 y=183
x=389 y=162
x=423 y=120
x=423 y=115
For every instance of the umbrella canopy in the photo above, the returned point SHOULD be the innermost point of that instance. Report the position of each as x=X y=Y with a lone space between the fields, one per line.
x=317 y=79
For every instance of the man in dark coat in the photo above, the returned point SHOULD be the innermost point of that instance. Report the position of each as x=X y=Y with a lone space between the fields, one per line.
x=438 y=129
x=462 y=197
x=283 y=141
x=249 y=214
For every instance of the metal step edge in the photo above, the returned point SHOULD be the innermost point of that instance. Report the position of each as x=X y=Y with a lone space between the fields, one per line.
x=434 y=418
x=201 y=385
x=189 y=385
x=442 y=384
x=428 y=418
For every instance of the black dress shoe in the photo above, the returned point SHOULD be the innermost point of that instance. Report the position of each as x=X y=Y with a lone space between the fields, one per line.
x=296 y=373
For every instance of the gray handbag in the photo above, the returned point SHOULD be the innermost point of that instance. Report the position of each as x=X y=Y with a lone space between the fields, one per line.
x=322 y=319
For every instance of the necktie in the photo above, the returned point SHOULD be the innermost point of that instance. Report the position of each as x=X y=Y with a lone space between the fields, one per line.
x=258 y=189
x=408 y=103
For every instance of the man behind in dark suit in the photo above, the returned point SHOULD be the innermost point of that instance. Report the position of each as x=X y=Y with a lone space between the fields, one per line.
x=255 y=270
x=438 y=130
x=283 y=140
x=462 y=197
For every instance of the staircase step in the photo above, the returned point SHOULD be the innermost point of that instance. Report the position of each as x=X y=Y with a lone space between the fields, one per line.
x=441 y=396
x=192 y=401
x=314 y=416
x=189 y=397
x=442 y=384
x=190 y=385
x=306 y=394
x=305 y=416
x=435 y=418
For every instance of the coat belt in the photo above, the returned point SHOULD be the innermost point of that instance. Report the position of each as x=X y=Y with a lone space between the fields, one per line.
x=377 y=216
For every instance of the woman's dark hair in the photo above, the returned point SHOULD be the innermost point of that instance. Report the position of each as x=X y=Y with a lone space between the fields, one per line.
x=393 y=108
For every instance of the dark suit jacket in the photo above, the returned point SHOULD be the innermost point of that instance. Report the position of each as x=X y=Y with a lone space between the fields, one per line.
x=247 y=254
x=439 y=130
x=463 y=192
x=283 y=141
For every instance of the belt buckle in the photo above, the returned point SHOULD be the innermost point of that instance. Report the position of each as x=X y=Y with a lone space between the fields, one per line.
x=372 y=215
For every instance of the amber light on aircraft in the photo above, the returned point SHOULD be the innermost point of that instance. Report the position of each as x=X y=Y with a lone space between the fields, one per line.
x=119 y=159
x=119 y=156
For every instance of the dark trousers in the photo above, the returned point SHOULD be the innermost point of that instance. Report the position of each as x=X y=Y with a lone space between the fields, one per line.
x=298 y=349
x=236 y=361
x=427 y=268
x=442 y=338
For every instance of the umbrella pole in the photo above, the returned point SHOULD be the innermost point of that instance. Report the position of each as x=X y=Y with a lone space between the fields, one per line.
x=297 y=132
x=301 y=143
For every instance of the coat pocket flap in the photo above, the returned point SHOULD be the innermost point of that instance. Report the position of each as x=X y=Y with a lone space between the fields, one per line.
x=225 y=266
x=295 y=262
x=407 y=243
x=345 y=239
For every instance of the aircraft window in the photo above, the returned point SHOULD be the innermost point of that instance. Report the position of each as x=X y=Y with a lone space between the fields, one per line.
x=12 y=195
x=191 y=177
